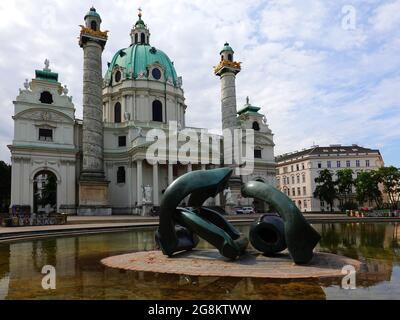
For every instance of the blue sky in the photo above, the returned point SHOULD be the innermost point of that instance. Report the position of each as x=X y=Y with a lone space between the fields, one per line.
x=323 y=72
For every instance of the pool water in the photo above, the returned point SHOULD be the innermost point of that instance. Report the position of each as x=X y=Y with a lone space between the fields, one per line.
x=80 y=275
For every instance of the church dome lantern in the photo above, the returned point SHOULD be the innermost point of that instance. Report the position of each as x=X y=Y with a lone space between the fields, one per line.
x=140 y=34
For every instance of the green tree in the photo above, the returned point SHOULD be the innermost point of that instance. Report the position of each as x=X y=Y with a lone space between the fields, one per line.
x=344 y=184
x=325 y=189
x=367 y=188
x=390 y=179
x=5 y=185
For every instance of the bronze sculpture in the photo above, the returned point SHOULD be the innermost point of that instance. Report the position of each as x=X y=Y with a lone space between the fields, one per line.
x=179 y=227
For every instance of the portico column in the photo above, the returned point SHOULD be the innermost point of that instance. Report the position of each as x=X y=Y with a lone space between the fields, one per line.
x=155 y=184
x=139 y=169
x=170 y=174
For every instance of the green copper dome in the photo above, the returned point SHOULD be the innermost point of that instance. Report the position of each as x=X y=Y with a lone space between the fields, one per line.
x=226 y=47
x=136 y=59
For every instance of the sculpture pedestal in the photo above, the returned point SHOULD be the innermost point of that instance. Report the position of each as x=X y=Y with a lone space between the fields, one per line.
x=210 y=263
x=93 y=198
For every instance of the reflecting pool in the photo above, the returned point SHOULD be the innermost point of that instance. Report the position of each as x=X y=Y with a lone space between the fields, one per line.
x=80 y=274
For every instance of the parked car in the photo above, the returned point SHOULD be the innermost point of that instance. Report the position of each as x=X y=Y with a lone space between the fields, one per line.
x=244 y=210
x=248 y=210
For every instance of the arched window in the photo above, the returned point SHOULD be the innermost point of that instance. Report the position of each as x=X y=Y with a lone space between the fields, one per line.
x=256 y=126
x=142 y=38
x=230 y=57
x=157 y=111
x=93 y=25
x=46 y=97
x=121 y=175
x=136 y=38
x=222 y=57
x=117 y=113
x=118 y=76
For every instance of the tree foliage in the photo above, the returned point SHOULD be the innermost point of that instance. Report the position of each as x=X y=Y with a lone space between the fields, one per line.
x=344 y=184
x=325 y=189
x=367 y=188
x=390 y=179
x=5 y=185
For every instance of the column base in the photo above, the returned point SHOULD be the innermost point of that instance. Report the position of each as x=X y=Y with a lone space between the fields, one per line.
x=94 y=211
x=93 y=198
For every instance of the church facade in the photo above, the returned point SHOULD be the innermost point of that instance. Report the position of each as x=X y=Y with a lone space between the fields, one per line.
x=100 y=165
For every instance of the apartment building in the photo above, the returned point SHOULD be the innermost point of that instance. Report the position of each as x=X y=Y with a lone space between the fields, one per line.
x=296 y=171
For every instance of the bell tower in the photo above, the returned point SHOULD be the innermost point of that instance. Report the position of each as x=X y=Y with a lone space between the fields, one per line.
x=227 y=69
x=93 y=187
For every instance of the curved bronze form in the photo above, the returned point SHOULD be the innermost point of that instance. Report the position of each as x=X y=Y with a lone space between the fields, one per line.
x=267 y=234
x=300 y=237
x=179 y=226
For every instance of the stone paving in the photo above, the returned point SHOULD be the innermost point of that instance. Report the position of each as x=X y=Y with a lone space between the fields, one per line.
x=252 y=265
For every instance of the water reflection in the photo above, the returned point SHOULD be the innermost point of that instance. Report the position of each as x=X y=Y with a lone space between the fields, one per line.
x=81 y=276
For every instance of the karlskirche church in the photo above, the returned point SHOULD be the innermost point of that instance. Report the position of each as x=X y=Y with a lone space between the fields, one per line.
x=98 y=166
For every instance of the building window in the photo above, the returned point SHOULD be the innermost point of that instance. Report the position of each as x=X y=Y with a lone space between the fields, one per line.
x=121 y=175
x=285 y=170
x=93 y=25
x=319 y=165
x=122 y=141
x=156 y=73
x=257 y=154
x=303 y=166
x=46 y=97
x=256 y=126
x=304 y=191
x=305 y=203
x=348 y=163
x=291 y=168
x=117 y=76
x=298 y=191
x=338 y=164
x=367 y=163
x=329 y=164
x=298 y=179
x=299 y=204
x=304 y=178
x=142 y=38
x=230 y=57
x=293 y=192
x=357 y=163
x=117 y=113
x=136 y=38
x=157 y=111
x=45 y=134
x=292 y=179
x=297 y=167
x=284 y=180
